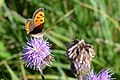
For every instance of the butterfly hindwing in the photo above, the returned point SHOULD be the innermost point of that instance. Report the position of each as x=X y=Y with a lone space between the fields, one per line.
x=29 y=25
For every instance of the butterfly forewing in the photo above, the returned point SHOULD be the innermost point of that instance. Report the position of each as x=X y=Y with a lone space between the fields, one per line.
x=38 y=17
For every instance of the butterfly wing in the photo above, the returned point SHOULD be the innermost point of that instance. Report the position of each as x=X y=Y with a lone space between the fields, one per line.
x=38 y=18
x=29 y=25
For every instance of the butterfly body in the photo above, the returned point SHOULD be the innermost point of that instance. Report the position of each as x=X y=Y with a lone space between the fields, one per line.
x=35 y=25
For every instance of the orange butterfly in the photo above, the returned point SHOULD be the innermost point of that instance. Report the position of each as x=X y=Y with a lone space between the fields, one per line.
x=35 y=25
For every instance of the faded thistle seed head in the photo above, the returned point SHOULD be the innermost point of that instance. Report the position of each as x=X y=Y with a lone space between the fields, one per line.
x=80 y=55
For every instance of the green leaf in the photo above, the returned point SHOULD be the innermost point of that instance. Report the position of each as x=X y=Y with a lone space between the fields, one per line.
x=3 y=53
x=13 y=75
x=1 y=2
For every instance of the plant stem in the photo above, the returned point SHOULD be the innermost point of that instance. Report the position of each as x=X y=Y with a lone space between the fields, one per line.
x=80 y=78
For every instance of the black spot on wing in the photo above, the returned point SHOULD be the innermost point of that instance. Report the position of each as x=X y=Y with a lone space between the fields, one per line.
x=41 y=20
x=41 y=15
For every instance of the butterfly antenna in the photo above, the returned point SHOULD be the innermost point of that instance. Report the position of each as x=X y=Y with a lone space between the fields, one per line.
x=59 y=20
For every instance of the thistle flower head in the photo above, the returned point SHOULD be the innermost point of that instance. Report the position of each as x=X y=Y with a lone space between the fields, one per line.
x=80 y=55
x=37 y=53
x=102 y=75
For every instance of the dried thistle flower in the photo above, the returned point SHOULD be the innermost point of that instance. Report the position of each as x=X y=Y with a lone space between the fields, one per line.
x=37 y=54
x=80 y=55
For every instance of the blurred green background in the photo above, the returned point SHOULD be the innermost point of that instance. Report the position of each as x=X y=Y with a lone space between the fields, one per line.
x=95 y=21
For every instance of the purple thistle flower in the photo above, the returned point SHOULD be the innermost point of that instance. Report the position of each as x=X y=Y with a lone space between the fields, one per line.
x=102 y=75
x=37 y=54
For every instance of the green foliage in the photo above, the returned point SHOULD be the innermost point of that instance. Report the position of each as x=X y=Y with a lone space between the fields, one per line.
x=95 y=21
